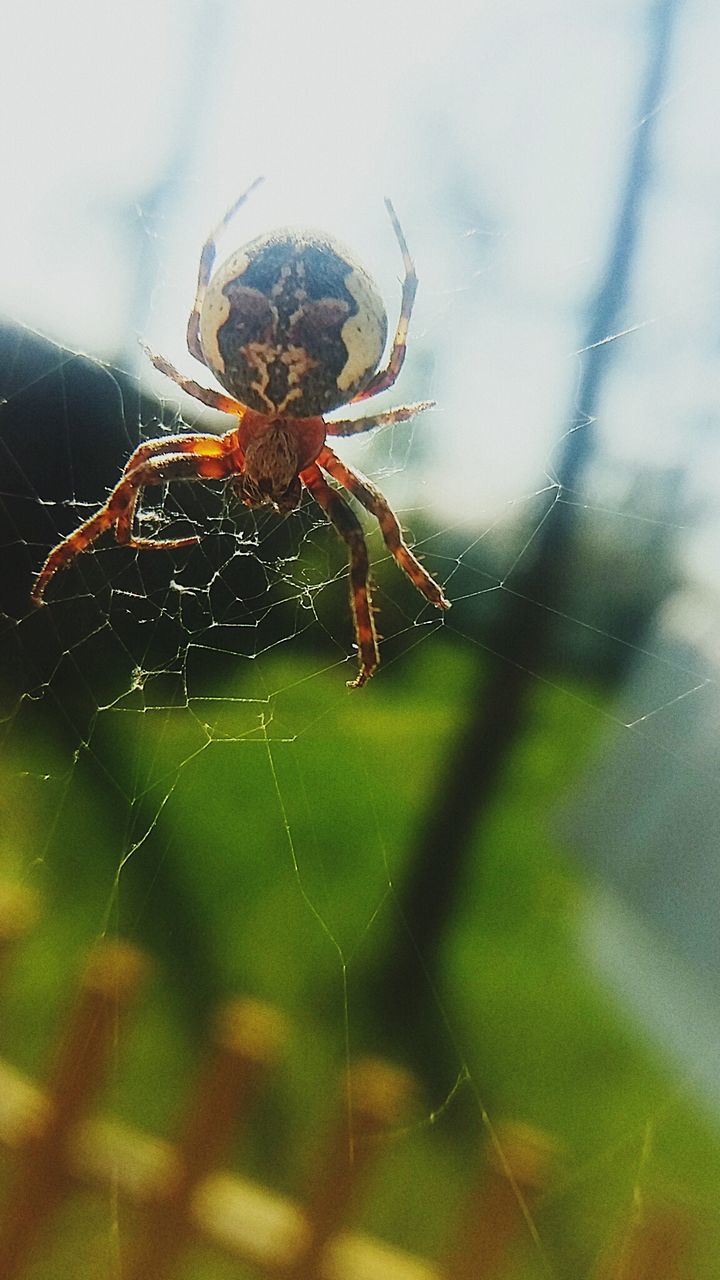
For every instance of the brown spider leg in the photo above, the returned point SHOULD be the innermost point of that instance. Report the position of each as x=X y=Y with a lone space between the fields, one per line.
x=204 y=444
x=349 y=528
x=207 y=261
x=384 y=378
x=214 y=399
x=353 y=426
x=372 y=499
x=157 y=470
x=125 y=536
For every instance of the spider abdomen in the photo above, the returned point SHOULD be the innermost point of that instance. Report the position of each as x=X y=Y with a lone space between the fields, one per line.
x=292 y=324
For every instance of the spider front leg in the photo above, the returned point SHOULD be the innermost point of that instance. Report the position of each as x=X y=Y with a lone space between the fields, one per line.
x=385 y=378
x=373 y=501
x=193 y=443
x=349 y=528
x=119 y=509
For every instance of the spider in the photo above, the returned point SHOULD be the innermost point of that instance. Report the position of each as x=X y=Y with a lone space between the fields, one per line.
x=292 y=327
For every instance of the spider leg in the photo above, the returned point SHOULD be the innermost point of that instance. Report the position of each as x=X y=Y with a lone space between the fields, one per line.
x=194 y=443
x=349 y=528
x=214 y=399
x=373 y=501
x=204 y=443
x=384 y=378
x=207 y=261
x=125 y=536
x=353 y=426
x=120 y=506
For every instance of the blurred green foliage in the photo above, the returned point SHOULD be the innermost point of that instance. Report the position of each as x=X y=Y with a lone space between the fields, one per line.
x=253 y=842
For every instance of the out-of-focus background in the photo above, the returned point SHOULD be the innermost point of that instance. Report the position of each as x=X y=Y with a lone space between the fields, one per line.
x=496 y=865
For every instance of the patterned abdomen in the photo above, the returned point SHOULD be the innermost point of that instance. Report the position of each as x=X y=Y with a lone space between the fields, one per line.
x=292 y=325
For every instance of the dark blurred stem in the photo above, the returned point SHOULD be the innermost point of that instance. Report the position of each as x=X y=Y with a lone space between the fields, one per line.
x=518 y=645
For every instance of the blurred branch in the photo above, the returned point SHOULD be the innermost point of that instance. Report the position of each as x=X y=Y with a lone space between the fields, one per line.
x=519 y=643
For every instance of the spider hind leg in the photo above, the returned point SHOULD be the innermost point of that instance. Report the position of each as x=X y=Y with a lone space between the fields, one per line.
x=207 y=262
x=386 y=376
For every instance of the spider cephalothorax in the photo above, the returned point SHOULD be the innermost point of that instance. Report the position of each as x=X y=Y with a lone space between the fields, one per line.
x=276 y=451
x=292 y=327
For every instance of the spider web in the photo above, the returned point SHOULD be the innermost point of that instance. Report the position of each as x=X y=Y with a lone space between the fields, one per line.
x=183 y=764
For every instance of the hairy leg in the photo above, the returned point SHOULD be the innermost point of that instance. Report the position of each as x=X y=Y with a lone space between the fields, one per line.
x=349 y=528
x=354 y=426
x=192 y=443
x=120 y=506
x=207 y=261
x=373 y=501
x=384 y=378
x=213 y=399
